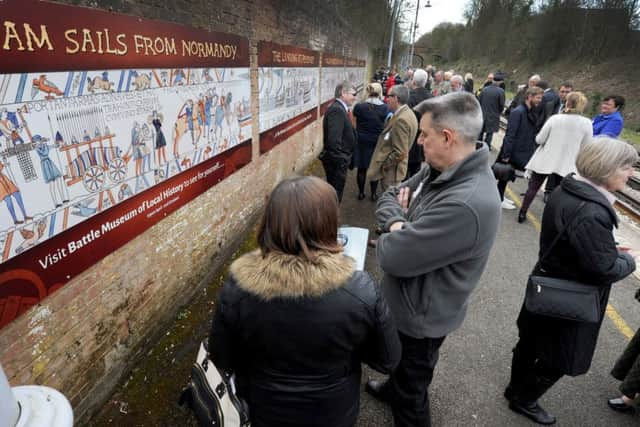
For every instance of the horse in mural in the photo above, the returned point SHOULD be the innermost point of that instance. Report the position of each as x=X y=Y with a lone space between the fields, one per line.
x=141 y=81
x=99 y=82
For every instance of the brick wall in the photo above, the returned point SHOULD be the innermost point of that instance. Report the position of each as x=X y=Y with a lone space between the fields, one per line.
x=82 y=339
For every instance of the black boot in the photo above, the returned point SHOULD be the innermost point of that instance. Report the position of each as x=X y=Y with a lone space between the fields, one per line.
x=374 y=190
x=526 y=402
x=522 y=216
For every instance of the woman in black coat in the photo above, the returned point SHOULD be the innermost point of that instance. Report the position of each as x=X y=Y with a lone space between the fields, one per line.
x=295 y=320
x=551 y=347
x=627 y=370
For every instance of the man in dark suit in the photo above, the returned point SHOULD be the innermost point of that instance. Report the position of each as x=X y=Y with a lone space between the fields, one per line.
x=339 y=137
x=492 y=104
x=550 y=104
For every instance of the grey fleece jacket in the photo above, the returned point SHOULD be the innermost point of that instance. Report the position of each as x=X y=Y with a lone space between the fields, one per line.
x=435 y=261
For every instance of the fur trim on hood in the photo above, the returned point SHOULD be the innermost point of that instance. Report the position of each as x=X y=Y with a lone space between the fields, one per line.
x=281 y=275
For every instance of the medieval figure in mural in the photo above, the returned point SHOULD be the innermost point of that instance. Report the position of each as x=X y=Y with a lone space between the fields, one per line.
x=156 y=120
x=207 y=115
x=146 y=139
x=85 y=136
x=201 y=113
x=192 y=120
x=10 y=128
x=9 y=191
x=220 y=108
x=206 y=76
x=139 y=152
x=179 y=78
x=164 y=76
x=50 y=172
x=229 y=117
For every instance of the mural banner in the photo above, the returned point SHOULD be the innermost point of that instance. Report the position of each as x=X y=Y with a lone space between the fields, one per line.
x=38 y=35
x=332 y=73
x=336 y=69
x=81 y=145
x=288 y=85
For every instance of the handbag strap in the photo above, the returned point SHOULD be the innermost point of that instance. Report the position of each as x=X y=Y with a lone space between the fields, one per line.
x=562 y=230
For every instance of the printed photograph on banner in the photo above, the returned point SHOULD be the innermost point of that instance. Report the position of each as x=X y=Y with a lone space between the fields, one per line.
x=357 y=77
x=73 y=144
x=331 y=77
x=286 y=93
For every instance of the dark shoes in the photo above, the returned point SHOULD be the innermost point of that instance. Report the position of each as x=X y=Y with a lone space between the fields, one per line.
x=374 y=197
x=533 y=411
x=361 y=196
x=509 y=393
x=618 y=404
x=375 y=389
x=522 y=217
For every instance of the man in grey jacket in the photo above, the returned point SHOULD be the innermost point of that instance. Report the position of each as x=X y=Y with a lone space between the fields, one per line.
x=441 y=225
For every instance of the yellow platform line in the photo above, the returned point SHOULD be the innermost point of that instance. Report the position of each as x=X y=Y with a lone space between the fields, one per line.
x=621 y=325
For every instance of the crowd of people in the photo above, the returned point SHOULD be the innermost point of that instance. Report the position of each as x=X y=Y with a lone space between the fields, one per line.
x=295 y=321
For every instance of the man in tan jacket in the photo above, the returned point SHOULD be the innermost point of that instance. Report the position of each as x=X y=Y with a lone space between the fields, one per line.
x=390 y=158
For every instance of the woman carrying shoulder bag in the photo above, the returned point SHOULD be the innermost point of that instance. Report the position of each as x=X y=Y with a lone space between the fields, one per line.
x=295 y=321
x=577 y=245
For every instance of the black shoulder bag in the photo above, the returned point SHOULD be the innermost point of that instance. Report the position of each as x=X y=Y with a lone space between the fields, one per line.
x=560 y=298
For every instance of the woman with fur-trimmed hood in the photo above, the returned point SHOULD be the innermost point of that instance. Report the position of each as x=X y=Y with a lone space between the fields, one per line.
x=295 y=320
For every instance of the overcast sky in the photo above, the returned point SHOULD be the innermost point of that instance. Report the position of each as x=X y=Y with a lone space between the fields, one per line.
x=440 y=11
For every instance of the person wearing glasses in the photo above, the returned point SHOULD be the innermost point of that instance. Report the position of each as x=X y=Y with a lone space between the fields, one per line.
x=391 y=156
x=339 y=137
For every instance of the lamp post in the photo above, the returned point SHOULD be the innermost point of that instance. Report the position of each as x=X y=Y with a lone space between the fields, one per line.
x=415 y=27
x=394 y=16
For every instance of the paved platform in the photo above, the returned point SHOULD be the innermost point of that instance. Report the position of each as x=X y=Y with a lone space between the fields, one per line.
x=475 y=360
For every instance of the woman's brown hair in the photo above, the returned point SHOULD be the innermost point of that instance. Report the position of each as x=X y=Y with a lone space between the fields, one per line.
x=301 y=218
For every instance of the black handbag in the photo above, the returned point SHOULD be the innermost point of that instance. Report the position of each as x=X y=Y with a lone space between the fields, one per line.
x=560 y=298
x=211 y=396
x=503 y=171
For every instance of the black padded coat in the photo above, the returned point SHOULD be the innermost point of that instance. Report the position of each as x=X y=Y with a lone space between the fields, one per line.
x=295 y=334
x=586 y=253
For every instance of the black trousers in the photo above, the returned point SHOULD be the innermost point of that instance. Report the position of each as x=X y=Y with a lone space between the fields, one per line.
x=486 y=137
x=553 y=181
x=336 y=172
x=502 y=187
x=527 y=372
x=627 y=368
x=407 y=389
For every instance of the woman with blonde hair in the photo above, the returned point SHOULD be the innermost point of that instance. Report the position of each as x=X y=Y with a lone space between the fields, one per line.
x=370 y=116
x=558 y=141
x=468 y=82
x=295 y=320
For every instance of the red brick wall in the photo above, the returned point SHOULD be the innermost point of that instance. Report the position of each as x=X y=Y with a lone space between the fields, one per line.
x=82 y=339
